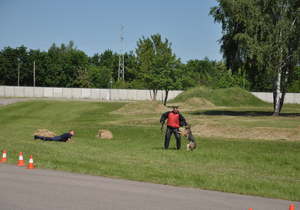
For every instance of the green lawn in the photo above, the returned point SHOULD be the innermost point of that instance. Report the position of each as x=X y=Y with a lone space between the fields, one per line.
x=254 y=167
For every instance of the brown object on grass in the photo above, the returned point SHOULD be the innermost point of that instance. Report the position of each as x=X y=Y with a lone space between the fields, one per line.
x=104 y=134
x=45 y=133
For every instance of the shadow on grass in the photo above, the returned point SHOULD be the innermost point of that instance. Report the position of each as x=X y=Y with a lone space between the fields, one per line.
x=162 y=148
x=244 y=113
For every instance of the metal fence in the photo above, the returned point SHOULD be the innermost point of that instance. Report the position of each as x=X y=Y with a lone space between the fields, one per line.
x=113 y=94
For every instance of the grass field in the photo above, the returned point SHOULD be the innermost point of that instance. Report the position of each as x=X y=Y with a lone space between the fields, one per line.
x=239 y=149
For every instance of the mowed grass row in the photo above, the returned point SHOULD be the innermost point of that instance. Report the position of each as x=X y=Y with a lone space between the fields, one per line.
x=253 y=167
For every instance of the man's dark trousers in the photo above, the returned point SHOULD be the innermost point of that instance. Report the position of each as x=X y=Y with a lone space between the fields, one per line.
x=169 y=132
x=56 y=138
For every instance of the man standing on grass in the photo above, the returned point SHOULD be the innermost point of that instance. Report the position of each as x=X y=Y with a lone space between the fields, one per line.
x=63 y=138
x=175 y=120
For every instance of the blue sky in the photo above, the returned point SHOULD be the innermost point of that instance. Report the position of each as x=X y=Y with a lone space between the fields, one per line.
x=95 y=25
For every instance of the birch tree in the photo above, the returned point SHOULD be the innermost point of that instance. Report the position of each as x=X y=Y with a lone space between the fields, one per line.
x=264 y=35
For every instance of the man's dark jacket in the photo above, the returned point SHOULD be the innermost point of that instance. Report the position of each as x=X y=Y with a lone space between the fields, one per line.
x=167 y=114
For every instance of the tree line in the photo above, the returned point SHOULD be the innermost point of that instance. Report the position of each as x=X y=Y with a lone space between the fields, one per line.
x=153 y=66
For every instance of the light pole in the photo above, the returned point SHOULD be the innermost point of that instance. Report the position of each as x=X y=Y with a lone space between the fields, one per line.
x=110 y=85
x=19 y=59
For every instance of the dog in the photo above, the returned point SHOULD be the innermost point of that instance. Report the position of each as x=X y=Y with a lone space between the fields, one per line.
x=189 y=136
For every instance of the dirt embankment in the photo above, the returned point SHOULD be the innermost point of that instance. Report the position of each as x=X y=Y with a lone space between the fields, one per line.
x=214 y=129
x=207 y=127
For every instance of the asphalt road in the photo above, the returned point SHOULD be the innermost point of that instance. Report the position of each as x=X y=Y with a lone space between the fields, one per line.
x=6 y=101
x=22 y=188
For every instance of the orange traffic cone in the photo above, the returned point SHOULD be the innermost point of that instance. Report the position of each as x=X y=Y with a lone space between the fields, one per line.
x=21 y=162
x=250 y=209
x=3 y=157
x=291 y=207
x=30 y=164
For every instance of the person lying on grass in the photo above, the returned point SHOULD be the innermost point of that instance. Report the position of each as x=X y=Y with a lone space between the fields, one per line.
x=62 y=138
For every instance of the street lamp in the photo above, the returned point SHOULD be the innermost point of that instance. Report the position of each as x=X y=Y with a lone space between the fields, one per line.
x=110 y=85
